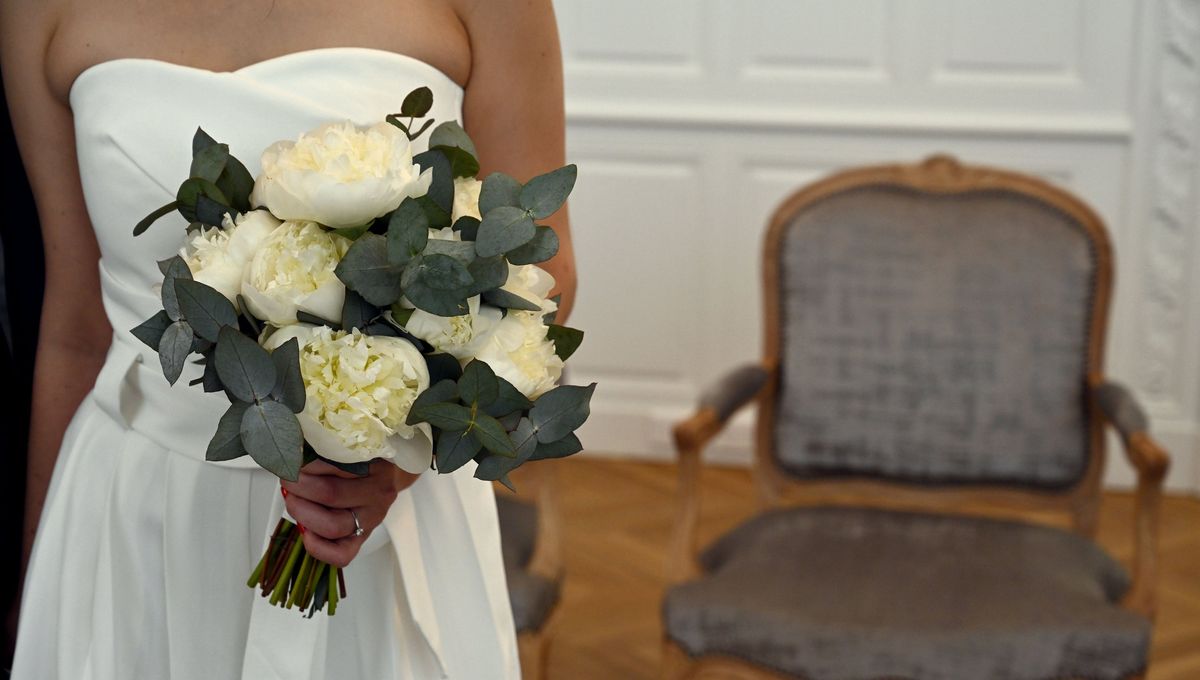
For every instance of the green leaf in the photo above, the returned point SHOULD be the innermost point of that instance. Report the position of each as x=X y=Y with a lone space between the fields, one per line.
x=153 y=217
x=463 y=251
x=226 y=443
x=441 y=190
x=566 y=340
x=492 y=435
x=454 y=449
x=487 y=273
x=244 y=367
x=353 y=233
x=357 y=312
x=442 y=272
x=212 y=381
x=443 y=366
x=502 y=298
x=151 y=330
x=499 y=190
x=524 y=439
x=208 y=163
x=204 y=307
x=451 y=134
x=462 y=163
x=558 y=412
x=174 y=348
x=478 y=385
x=440 y=391
x=502 y=230
x=176 y=269
x=401 y=315
x=545 y=194
x=467 y=227
x=417 y=103
x=289 y=383
x=438 y=218
x=201 y=141
x=439 y=302
x=366 y=270
x=444 y=416
x=272 y=436
x=510 y=421
x=254 y=324
x=190 y=191
x=542 y=247
x=237 y=183
x=567 y=446
x=548 y=318
x=210 y=212
x=508 y=400
x=496 y=468
x=308 y=317
x=408 y=231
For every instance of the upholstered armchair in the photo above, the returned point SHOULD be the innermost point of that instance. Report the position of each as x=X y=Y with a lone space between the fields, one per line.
x=531 y=540
x=929 y=449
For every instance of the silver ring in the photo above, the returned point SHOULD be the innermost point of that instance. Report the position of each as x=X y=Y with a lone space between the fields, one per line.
x=358 y=530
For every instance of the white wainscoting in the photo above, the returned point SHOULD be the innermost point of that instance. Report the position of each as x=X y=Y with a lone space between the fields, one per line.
x=692 y=119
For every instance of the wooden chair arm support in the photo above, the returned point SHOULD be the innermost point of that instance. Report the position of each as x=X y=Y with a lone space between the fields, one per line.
x=547 y=559
x=717 y=406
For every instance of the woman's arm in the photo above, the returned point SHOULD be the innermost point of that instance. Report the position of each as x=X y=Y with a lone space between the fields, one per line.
x=74 y=332
x=513 y=108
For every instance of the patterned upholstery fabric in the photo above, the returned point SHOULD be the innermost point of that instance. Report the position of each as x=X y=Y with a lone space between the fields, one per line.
x=934 y=338
x=855 y=594
x=532 y=597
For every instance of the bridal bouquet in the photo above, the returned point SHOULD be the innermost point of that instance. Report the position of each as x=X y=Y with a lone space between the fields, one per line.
x=355 y=301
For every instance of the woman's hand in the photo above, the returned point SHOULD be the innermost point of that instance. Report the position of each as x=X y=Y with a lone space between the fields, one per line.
x=322 y=499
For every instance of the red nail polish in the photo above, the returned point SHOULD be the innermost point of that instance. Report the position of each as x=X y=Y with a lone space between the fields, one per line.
x=283 y=491
x=302 y=530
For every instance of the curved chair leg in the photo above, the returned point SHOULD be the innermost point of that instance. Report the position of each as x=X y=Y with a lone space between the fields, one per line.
x=533 y=648
x=676 y=664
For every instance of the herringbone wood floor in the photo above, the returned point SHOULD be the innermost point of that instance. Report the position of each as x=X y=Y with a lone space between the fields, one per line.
x=618 y=516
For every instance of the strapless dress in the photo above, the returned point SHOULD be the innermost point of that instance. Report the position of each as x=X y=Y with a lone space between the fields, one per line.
x=140 y=563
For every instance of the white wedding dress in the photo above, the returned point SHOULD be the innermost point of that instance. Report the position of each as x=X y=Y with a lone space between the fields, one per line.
x=141 y=559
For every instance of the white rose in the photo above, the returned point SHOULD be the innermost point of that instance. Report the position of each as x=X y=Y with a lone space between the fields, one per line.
x=293 y=269
x=518 y=351
x=533 y=283
x=459 y=336
x=466 y=198
x=358 y=392
x=340 y=175
x=218 y=257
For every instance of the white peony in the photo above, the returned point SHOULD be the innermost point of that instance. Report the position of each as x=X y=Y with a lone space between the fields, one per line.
x=466 y=198
x=339 y=175
x=358 y=392
x=518 y=351
x=533 y=283
x=218 y=257
x=459 y=336
x=293 y=269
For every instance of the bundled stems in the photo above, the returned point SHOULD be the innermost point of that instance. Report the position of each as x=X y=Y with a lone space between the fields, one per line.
x=289 y=577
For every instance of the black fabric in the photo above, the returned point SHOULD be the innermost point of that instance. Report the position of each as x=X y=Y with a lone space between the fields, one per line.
x=1121 y=408
x=734 y=389
x=855 y=594
x=532 y=596
x=934 y=339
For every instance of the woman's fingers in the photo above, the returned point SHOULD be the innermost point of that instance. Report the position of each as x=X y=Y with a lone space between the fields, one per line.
x=329 y=523
x=320 y=467
x=339 y=552
x=340 y=492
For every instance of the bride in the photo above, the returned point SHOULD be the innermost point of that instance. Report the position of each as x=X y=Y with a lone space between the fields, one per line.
x=142 y=550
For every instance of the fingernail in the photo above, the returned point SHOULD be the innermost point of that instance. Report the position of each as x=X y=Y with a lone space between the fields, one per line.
x=302 y=529
x=283 y=491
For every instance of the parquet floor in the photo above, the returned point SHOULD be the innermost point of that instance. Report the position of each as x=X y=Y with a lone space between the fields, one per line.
x=618 y=516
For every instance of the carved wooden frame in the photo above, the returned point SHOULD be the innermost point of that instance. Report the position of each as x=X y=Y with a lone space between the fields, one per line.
x=1075 y=506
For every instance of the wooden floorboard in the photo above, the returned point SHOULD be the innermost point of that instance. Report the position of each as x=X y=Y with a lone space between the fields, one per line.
x=618 y=516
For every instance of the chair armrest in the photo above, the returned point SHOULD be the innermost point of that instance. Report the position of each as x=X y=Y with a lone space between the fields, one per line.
x=1151 y=461
x=547 y=558
x=717 y=404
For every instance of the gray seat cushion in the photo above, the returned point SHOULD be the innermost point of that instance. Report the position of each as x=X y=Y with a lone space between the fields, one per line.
x=532 y=597
x=854 y=594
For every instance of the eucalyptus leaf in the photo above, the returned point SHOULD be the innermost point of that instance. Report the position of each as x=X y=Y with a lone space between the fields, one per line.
x=544 y=195
x=566 y=340
x=210 y=379
x=549 y=317
x=151 y=330
x=454 y=448
x=567 y=446
x=289 y=383
x=542 y=247
x=510 y=421
x=190 y=191
x=524 y=439
x=439 y=392
x=444 y=416
x=244 y=367
x=208 y=163
x=451 y=134
x=462 y=163
x=201 y=140
x=408 y=232
x=210 y=212
x=463 y=251
x=441 y=189
x=176 y=269
x=496 y=468
x=401 y=315
x=357 y=312
x=153 y=217
x=174 y=348
x=254 y=324
x=308 y=317
x=437 y=302
x=443 y=366
x=226 y=442
x=504 y=229
x=478 y=385
x=438 y=217
x=467 y=227
x=442 y=272
x=502 y=298
x=272 y=436
x=204 y=307
x=353 y=233
x=365 y=269
x=499 y=190
x=508 y=400
x=560 y=411
x=237 y=183
x=493 y=436
x=417 y=103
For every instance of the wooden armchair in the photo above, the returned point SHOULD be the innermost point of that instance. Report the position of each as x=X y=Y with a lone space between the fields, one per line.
x=929 y=446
